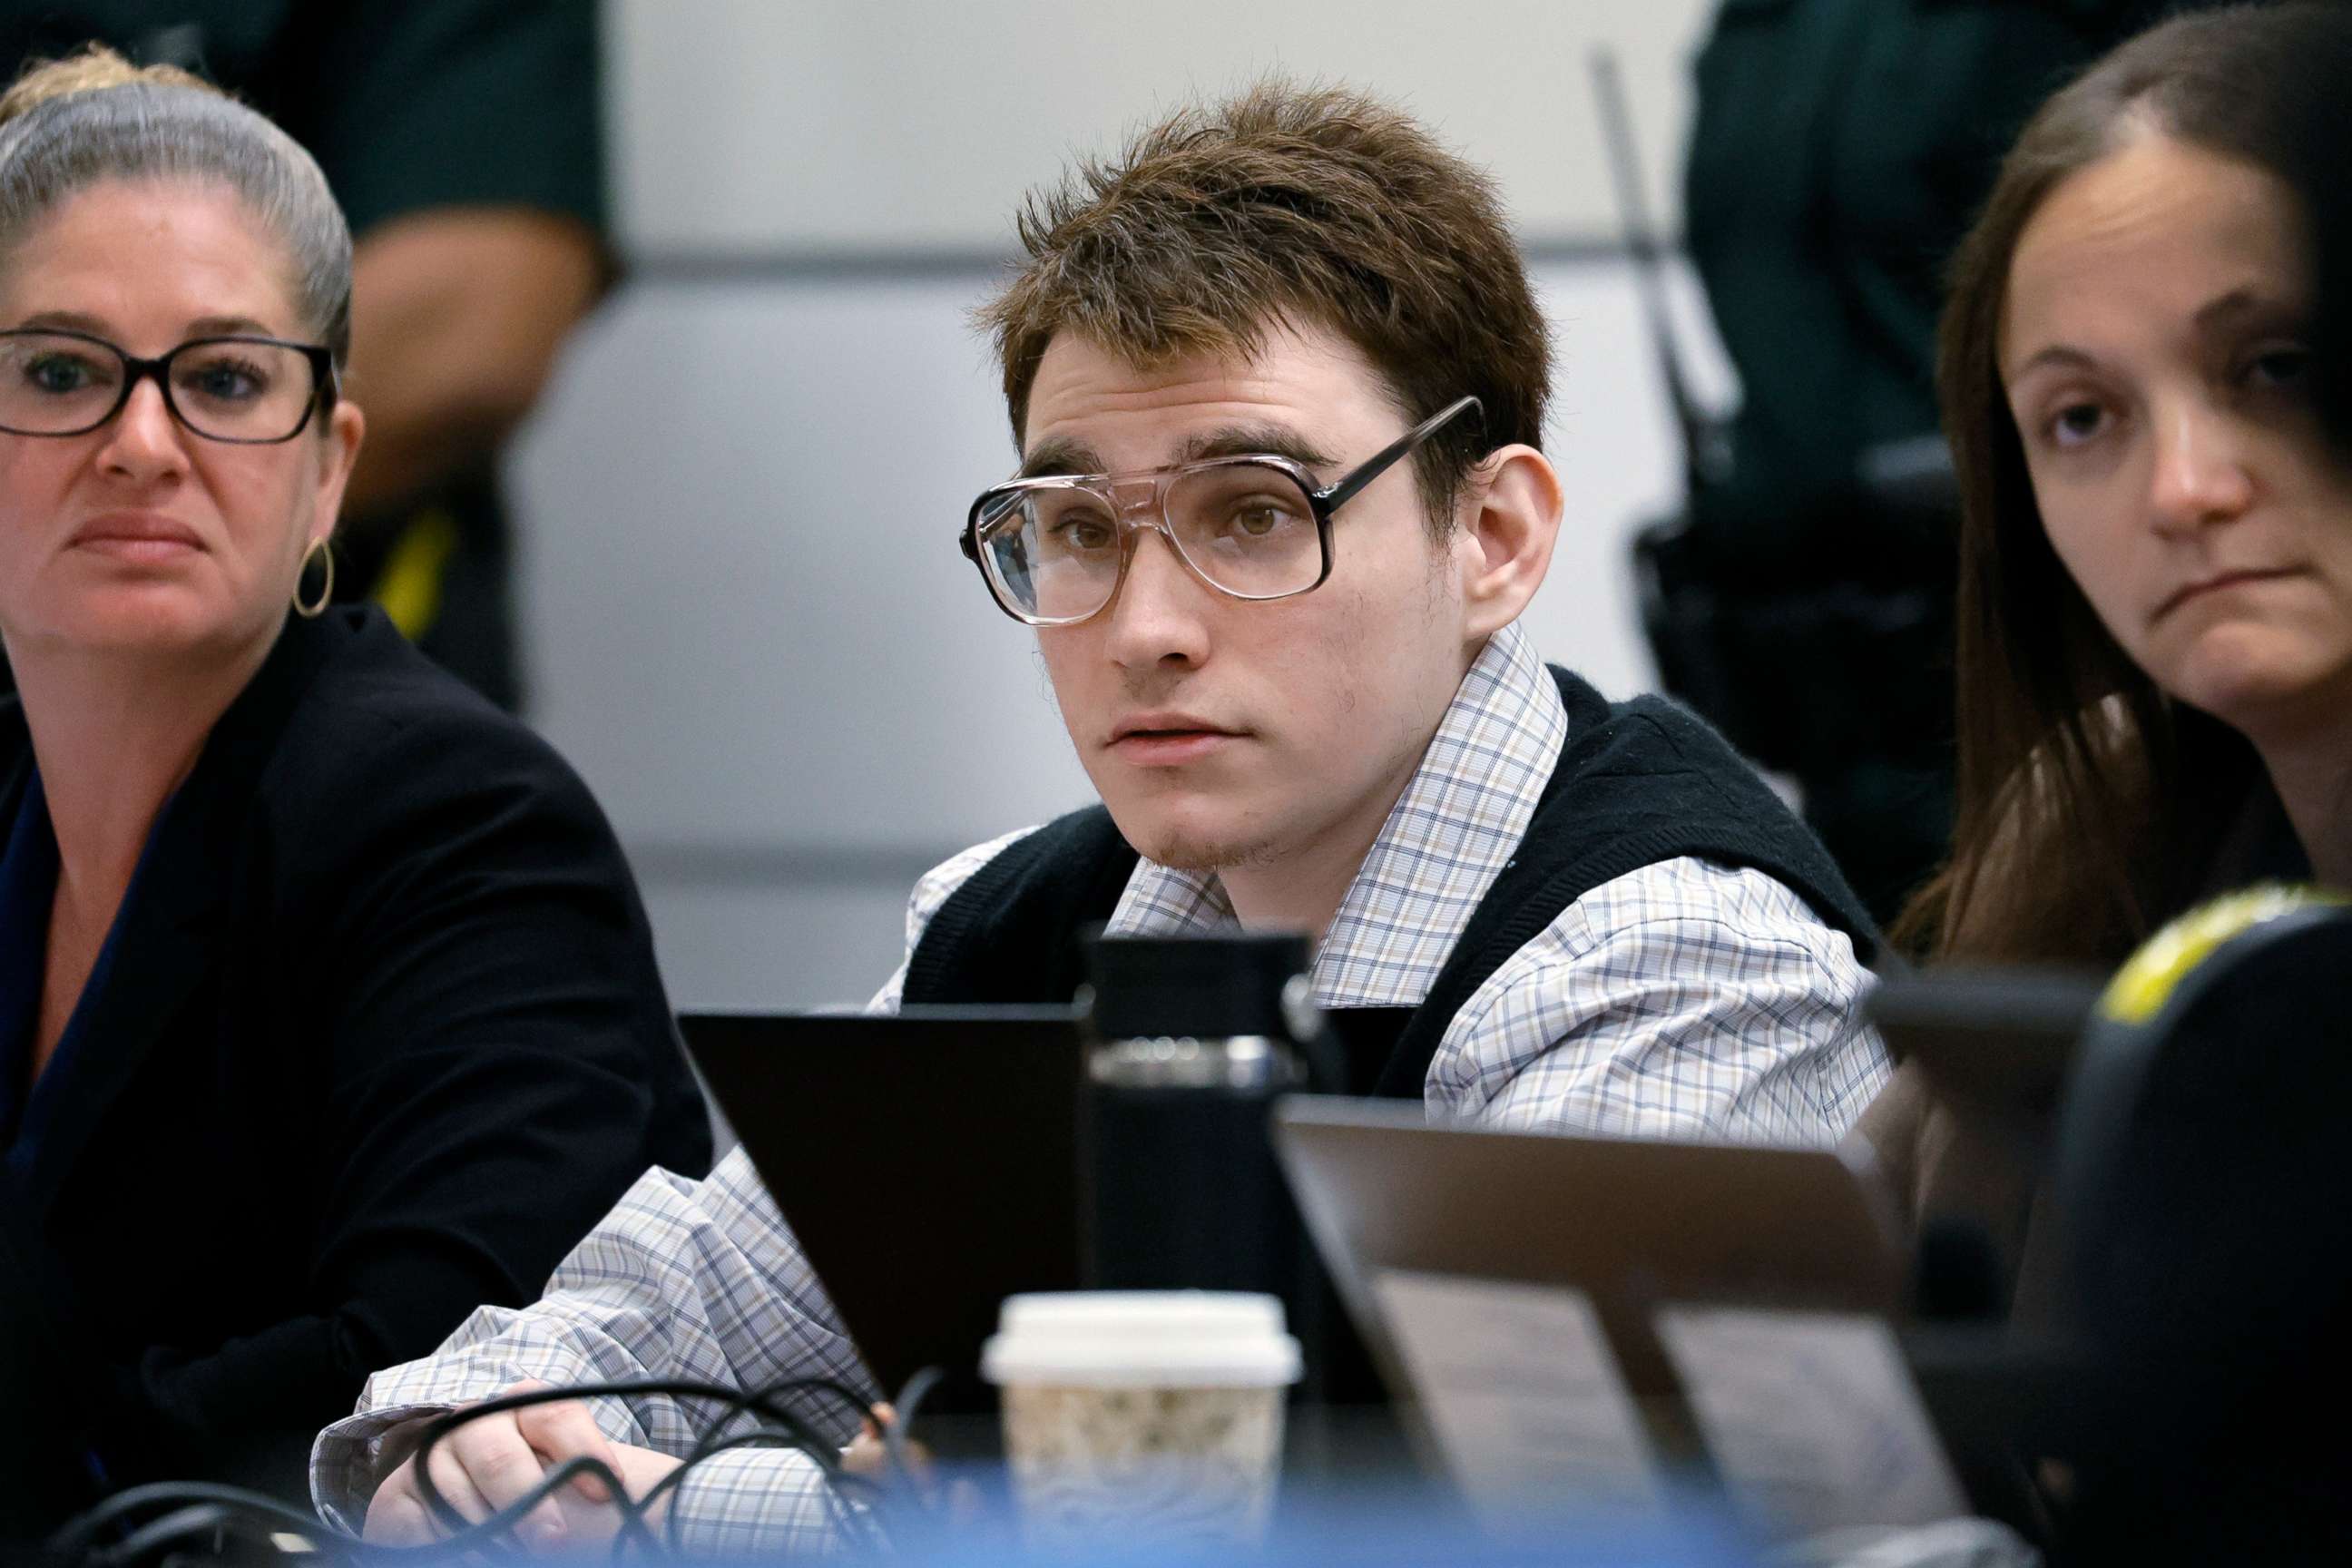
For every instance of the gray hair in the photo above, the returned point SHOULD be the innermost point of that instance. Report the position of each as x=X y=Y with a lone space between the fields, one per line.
x=158 y=126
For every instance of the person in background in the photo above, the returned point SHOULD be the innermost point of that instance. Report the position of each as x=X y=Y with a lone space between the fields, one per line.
x=463 y=139
x=2143 y=378
x=328 y=1008
x=1838 y=149
x=2154 y=650
x=1276 y=381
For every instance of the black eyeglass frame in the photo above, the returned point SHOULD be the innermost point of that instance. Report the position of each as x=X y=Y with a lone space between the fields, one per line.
x=324 y=392
x=1320 y=502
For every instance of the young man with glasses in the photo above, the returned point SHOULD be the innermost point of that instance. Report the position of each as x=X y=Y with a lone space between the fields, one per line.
x=1278 y=381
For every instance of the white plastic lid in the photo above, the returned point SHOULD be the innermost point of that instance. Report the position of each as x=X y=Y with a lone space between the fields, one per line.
x=1136 y=1338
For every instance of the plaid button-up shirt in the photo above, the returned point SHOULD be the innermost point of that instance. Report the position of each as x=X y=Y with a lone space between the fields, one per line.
x=1684 y=998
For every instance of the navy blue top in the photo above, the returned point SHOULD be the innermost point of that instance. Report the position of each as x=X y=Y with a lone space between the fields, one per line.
x=379 y=1034
x=28 y=887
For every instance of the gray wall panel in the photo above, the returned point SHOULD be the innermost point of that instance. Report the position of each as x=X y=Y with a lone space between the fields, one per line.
x=824 y=125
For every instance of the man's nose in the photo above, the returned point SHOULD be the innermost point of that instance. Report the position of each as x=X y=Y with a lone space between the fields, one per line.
x=1159 y=612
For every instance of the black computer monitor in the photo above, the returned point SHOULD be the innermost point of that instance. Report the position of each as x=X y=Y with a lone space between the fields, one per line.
x=927 y=1162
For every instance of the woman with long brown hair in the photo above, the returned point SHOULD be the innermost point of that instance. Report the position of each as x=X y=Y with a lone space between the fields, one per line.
x=2155 y=622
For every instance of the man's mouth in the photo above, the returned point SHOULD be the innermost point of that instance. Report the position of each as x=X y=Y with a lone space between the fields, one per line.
x=1166 y=738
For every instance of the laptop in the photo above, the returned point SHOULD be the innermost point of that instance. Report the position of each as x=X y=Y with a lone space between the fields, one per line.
x=928 y=1162
x=1610 y=1319
x=1629 y=1222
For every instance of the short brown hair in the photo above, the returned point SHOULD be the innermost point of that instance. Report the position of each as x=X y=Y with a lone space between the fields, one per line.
x=2093 y=807
x=1320 y=205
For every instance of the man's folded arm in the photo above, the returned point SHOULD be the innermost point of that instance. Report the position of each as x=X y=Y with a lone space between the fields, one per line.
x=695 y=1281
x=1684 y=999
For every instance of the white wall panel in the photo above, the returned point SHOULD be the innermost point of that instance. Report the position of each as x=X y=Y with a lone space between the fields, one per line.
x=860 y=125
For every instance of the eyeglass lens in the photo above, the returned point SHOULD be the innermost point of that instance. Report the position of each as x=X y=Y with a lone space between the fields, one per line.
x=229 y=390
x=1246 y=528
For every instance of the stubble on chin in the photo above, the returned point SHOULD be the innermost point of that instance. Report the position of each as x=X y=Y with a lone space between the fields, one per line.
x=1171 y=825
x=1204 y=856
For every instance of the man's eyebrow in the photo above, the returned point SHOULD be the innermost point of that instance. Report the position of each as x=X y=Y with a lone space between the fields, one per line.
x=1254 y=440
x=1059 y=454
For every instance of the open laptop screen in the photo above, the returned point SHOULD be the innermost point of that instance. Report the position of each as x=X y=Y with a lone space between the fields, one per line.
x=928 y=1162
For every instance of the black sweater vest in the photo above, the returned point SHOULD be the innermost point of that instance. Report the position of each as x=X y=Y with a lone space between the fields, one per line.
x=1637 y=783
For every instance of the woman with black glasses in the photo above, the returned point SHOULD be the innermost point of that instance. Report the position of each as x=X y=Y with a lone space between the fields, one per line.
x=327 y=1009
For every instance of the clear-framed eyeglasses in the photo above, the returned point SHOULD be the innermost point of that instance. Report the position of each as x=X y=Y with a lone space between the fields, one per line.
x=248 y=390
x=1055 y=550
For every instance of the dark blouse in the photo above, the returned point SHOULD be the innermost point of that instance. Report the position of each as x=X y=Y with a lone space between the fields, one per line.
x=376 y=1037
x=28 y=885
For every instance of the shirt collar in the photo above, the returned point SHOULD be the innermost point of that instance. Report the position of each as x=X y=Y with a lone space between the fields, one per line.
x=1461 y=816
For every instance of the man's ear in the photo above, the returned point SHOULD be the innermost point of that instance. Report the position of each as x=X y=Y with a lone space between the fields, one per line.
x=1510 y=521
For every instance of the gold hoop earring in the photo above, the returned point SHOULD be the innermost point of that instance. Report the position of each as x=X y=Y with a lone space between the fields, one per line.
x=311 y=610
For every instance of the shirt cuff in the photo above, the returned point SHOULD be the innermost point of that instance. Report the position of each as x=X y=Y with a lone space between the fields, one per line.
x=350 y=1458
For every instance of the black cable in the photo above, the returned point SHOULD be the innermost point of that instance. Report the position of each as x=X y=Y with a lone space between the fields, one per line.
x=215 y=1511
x=800 y=1435
x=773 y=1394
x=77 y=1538
x=796 y=1435
x=204 y=1519
x=838 y=1479
x=462 y=1531
x=909 y=1401
x=849 y=1523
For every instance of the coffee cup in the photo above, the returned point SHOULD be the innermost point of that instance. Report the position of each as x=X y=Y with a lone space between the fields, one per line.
x=1142 y=1417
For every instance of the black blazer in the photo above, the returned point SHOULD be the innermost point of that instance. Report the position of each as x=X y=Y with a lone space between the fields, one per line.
x=380 y=1040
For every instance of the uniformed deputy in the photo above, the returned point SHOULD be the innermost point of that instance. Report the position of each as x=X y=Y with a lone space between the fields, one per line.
x=463 y=141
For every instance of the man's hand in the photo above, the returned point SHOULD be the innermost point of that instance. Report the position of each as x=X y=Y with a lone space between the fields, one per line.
x=868 y=1455
x=489 y=1464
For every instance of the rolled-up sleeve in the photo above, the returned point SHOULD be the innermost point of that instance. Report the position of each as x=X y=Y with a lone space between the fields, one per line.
x=697 y=1281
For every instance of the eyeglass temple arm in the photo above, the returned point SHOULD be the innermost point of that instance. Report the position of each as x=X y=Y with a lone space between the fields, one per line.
x=1382 y=461
x=969 y=540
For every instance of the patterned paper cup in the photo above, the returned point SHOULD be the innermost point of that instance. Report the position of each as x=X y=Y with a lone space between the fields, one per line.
x=1141 y=1417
